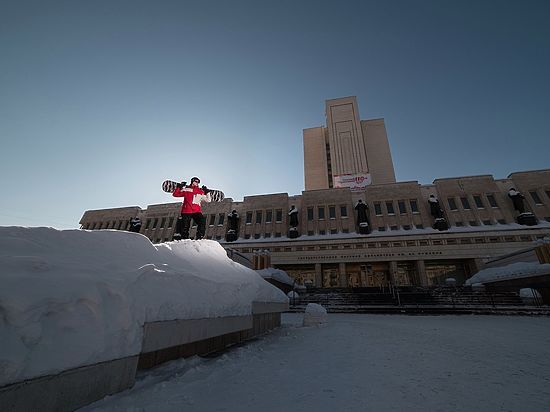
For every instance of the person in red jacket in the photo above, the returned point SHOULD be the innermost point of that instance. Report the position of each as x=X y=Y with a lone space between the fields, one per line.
x=193 y=196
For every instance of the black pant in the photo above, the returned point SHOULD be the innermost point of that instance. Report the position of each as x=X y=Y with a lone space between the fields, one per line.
x=184 y=222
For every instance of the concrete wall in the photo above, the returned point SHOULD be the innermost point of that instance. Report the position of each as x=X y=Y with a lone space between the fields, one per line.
x=316 y=175
x=162 y=341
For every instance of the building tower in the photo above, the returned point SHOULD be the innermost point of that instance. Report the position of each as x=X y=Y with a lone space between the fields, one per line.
x=348 y=152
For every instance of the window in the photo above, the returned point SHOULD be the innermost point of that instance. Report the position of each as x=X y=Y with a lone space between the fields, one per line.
x=321 y=212
x=333 y=231
x=478 y=202
x=322 y=232
x=459 y=224
x=162 y=222
x=402 y=208
x=414 y=206
x=155 y=223
x=347 y=230
x=382 y=228
x=268 y=216
x=536 y=198
x=407 y=227
x=279 y=215
x=420 y=226
x=492 y=201
x=465 y=203
x=344 y=210
x=277 y=234
x=389 y=208
x=487 y=223
x=221 y=218
x=393 y=228
x=258 y=216
x=501 y=221
x=377 y=209
x=257 y=236
x=473 y=223
x=171 y=222
x=212 y=220
x=267 y=234
x=452 y=203
x=247 y=236
x=310 y=232
x=309 y=213
x=248 y=218
x=332 y=212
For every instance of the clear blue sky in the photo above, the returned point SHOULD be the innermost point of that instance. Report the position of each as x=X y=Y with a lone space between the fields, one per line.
x=100 y=101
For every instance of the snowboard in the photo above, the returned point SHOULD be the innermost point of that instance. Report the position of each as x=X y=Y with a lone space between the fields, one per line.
x=169 y=186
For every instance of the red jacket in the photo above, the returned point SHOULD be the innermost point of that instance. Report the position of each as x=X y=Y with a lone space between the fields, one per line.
x=192 y=198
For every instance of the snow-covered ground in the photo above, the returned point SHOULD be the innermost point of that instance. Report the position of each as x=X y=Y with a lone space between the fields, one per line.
x=512 y=271
x=362 y=363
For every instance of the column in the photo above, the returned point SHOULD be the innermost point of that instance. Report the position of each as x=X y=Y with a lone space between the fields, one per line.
x=393 y=272
x=318 y=276
x=343 y=275
x=421 y=271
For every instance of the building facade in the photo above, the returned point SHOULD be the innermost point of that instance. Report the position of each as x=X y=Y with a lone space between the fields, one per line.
x=346 y=147
x=401 y=246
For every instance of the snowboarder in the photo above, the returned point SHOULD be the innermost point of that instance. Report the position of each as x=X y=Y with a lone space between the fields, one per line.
x=193 y=196
x=135 y=224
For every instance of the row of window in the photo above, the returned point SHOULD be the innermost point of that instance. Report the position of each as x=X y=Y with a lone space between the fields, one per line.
x=401 y=205
x=408 y=243
x=110 y=224
x=477 y=200
x=331 y=212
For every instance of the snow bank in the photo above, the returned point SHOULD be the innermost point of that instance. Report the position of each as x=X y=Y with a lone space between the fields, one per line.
x=512 y=271
x=75 y=297
x=315 y=314
x=276 y=274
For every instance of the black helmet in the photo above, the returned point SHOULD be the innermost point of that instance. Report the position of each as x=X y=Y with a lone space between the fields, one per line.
x=195 y=179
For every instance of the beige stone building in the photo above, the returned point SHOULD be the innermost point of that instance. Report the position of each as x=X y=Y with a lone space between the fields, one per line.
x=401 y=248
x=347 y=146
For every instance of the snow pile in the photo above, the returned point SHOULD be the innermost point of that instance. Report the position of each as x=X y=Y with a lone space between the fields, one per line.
x=529 y=293
x=75 y=297
x=512 y=271
x=530 y=296
x=315 y=314
x=293 y=295
x=276 y=274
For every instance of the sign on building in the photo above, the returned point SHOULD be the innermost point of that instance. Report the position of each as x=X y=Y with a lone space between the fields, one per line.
x=355 y=182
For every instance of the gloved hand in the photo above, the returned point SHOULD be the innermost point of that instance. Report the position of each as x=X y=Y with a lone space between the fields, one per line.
x=205 y=189
x=181 y=185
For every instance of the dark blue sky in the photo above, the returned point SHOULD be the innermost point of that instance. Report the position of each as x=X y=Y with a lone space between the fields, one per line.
x=100 y=101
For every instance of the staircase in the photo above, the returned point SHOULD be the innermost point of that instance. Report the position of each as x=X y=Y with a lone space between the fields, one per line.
x=414 y=300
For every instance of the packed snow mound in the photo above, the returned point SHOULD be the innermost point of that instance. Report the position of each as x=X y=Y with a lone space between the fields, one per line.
x=529 y=293
x=512 y=271
x=76 y=297
x=315 y=315
x=276 y=274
